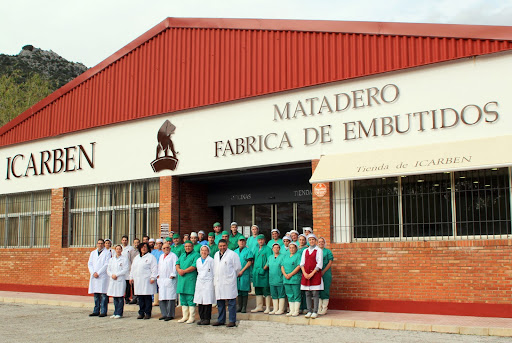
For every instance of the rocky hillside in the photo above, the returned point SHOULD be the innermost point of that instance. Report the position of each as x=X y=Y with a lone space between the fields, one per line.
x=48 y=64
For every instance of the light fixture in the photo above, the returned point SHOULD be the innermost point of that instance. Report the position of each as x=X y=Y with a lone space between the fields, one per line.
x=475 y=181
x=462 y=177
x=449 y=188
x=494 y=169
x=403 y=176
x=436 y=184
x=421 y=180
x=487 y=185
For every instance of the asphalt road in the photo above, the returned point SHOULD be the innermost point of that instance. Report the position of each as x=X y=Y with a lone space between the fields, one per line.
x=39 y=323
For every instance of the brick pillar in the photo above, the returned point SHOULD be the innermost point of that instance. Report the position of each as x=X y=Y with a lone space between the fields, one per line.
x=322 y=207
x=56 y=218
x=169 y=202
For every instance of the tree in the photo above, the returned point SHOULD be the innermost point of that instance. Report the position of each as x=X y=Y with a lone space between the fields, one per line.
x=17 y=96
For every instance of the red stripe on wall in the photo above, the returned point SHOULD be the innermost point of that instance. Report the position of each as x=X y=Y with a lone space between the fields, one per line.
x=43 y=289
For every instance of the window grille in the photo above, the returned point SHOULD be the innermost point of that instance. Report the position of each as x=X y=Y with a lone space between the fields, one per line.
x=114 y=210
x=459 y=205
x=25 y=219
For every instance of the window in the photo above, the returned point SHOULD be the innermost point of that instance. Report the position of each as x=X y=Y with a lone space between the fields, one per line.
x=25 y=219
x=465 y=204
x=114 y=210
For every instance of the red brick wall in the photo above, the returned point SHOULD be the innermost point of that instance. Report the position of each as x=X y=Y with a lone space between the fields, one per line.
x=194 y=212
x=322 y=218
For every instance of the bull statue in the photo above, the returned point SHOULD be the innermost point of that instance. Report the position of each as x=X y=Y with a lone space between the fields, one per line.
x=164 y=140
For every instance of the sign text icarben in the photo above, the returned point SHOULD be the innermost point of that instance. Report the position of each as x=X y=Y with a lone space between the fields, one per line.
x=54 y=161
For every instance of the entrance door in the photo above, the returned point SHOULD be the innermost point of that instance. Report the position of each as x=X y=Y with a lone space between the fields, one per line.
x=284 y=216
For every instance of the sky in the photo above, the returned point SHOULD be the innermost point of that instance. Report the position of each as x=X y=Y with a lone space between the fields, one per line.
x=89 y=31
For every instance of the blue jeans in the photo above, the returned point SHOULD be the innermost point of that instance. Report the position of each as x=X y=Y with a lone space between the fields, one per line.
x=100 y=303
x=118 y=306
x=221 y=305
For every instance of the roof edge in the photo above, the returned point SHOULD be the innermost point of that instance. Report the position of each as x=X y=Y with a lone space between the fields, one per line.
x=356 y=27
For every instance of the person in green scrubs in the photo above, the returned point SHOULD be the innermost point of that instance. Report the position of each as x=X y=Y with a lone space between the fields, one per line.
x=211 y=244
x=302 y=246
x=286 y=245
x=217 y=229
x=225 y=236
x=275 y=238
x=234 y=236
x=252 y=242
x=260 y=275
x=290 y=267
x=328 y=259
x=244 y=276
x=275 y=278
x=194 y=238
x=177 y=248
x=187 y=275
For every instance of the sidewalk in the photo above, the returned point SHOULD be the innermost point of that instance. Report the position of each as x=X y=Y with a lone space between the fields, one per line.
x=483 y=326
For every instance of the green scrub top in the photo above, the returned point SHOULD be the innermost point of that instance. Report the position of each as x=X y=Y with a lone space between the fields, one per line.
x=275 y=275
x=213 y=249
x=218 y=237
x=284 y=250
x=178 y=249
x=252 y=243
x=244 y=281
x=260 y=275
x=187 y=282
x=289 y=263
x=197 y=247
x=233 y=241
x=328 y=256
x=271 y=243
x=300 y=250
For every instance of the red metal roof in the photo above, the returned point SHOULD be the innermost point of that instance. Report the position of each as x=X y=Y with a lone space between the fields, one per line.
x=184 y=63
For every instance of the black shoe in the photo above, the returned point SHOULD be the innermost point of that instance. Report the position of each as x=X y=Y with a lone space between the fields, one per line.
x=133 y=302
x=200 y=322
x=162 y=318
x=126 y=301
x=140 y=316
x=102 y=315
x=240 y=302
x=94 y=314
x=231 y=325
x=218 y=324
x=147 y=316
x=168 y=318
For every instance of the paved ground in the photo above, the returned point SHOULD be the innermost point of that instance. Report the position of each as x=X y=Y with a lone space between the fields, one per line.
x=43 y=323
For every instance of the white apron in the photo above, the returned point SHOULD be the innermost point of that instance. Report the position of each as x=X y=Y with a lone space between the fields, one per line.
x=225 y=275
x=143 y=269
x=166 y=269
x=98 y=264
x=119 y=266
x=205 y=292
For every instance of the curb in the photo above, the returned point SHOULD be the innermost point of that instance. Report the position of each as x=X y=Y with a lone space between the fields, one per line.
x=300 y=320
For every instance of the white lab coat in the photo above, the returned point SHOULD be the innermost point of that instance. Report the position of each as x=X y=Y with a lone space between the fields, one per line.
x=225 y=275
x=205 y=291
x=119 y=266
x=166 y=269
x=144 y=269
x=98 y=264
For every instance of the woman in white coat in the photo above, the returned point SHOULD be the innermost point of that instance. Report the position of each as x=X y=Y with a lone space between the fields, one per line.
x=117 y=270
x=204 y=295
x=167 y=282
x=143 y=277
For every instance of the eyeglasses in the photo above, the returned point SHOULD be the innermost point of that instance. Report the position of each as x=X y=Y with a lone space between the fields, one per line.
x=166 y=248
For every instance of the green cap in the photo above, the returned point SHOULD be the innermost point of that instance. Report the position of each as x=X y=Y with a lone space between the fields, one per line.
x=211 y=234
x=260 y=236
x=168 y=239
x=225 y=233
x=216 y=224
x=242 y=238
x=176 y=235
x=188 y=242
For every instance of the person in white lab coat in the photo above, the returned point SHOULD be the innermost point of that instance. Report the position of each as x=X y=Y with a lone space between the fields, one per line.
x=98 y=282
x=226 y=268
x=118 y=270
x=167 y=282
x=126 y=252
x=143 y=276
x=204 y=295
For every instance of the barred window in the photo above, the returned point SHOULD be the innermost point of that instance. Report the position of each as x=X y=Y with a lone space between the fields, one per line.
x=114 y=210
x=464 y=204
x=25 y=219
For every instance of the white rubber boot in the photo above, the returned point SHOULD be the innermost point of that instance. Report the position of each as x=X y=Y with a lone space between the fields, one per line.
x=156 y=302
x=296 y=308
x=291 y=304
x=325 y=303
x=192 y=315
x=267 y=303
x=185 y=311
x=320 y=305
x=259 y=304
x=282 y=309
x=275 y=306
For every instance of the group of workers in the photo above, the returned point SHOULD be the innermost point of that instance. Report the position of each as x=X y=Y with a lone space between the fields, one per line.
x=213 y=270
